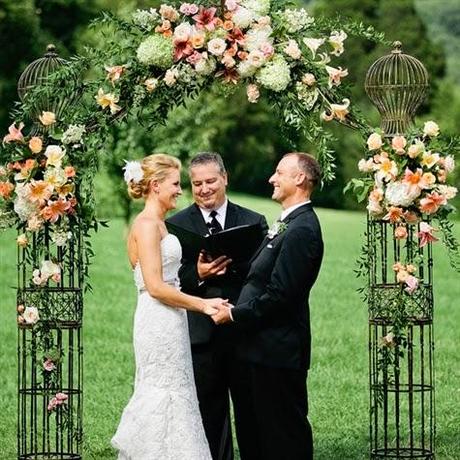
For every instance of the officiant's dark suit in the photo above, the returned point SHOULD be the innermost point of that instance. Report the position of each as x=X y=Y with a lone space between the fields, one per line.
x=213 y=347
x=274 y=308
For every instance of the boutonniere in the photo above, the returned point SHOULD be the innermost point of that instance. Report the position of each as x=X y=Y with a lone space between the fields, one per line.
x=277 y=228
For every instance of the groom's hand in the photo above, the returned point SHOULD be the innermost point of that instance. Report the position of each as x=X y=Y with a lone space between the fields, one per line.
x=210 y=268
x=223 y=314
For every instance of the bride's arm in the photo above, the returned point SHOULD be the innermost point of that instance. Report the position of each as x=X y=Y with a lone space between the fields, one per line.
x=148 y=241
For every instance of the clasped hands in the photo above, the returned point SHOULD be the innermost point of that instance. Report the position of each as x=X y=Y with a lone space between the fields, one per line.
x=218 y=309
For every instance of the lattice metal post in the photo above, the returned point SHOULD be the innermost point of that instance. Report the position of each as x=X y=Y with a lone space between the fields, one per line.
x=401 y=372
x=50 y=352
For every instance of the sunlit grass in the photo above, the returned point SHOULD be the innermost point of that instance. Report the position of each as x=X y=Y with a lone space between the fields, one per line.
x=338 y=380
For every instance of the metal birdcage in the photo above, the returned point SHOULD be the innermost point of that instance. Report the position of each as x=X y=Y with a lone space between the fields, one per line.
x=401 y=375
x=35 y=75
x=397 y=84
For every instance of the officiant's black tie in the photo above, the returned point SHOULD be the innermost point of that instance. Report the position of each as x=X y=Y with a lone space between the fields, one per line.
x=213 y=224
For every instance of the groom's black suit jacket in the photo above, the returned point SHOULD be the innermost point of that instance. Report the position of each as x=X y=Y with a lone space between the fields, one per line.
x=227 y=286
x=273 y=303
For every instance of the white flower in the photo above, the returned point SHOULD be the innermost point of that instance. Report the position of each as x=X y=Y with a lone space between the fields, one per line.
x=253 y=93
x=23 y=207
x=275 y=75
x=313 y=44
x=73 y=134
x=54 y=153
x=401 y=194
x=293 y=50
x=374 y=141
x=47 y=118
x=429 y=159
x=336 y=40
x=257 y=39
x=308 y=79
x=49 y=268
x=277 y=228
x=151 y=84
x=431 y=129
x=447 y=191
x=37 y=278
x=183 y=31
x=242 y=17
x=256 y=59
x=217 y=46
x=449 y=163
x=145 y=19
x=335 y=75
x=55 y=177
x=374 y=207
x=366 y=166
x=296 y=20
x=245 y=69
x=307 y=94
x=60 y=237
x=206 y=65
x=157 y=51
x=133 y=172
x=171 y=76
x=416 y=149
x=257 y=7
x=30 y=315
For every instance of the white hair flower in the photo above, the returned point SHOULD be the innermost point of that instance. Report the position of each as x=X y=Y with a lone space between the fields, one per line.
x=133 y=172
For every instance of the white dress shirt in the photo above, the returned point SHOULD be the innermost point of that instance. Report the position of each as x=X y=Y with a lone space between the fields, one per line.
x=288 y=211
x=220 y=216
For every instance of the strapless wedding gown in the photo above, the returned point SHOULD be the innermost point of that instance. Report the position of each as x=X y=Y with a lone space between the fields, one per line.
x=162 y=420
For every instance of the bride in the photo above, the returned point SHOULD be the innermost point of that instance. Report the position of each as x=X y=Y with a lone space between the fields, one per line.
x=162 y=420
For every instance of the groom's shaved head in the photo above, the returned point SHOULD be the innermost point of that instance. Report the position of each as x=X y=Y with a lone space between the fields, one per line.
x=309 y=166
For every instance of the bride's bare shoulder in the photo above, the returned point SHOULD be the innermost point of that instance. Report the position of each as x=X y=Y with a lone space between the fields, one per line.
x=143 y=223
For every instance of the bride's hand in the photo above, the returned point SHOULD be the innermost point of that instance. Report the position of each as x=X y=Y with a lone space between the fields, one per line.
x=213 y=306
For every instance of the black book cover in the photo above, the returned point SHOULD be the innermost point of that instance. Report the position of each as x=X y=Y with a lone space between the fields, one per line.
x=239 y=243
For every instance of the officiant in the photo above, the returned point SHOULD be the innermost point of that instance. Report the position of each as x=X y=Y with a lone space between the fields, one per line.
x=218 y=374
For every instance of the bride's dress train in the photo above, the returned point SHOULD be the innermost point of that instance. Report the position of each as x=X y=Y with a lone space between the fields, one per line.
x=162 y=419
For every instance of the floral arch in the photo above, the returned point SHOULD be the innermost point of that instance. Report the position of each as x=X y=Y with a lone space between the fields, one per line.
x=150 y=62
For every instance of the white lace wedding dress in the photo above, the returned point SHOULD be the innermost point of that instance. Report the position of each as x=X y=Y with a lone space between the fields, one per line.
x=162 y=420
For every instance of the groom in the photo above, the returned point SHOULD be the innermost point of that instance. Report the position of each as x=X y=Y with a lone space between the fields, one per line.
x=216 y=369
x=273 y=307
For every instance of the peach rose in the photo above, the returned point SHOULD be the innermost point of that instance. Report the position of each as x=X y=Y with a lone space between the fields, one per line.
x=22 y=240
x=400 y=232
x=399 y=143
x=35 y=144
x=431 y=129
x=374 y=141
x=47 y=118
x=69 y=171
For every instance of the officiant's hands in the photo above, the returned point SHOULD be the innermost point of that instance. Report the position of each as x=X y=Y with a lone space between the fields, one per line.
x=223 y=314
x=208 y=268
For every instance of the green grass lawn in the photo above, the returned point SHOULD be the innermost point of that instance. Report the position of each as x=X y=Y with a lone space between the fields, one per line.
x=338 y=380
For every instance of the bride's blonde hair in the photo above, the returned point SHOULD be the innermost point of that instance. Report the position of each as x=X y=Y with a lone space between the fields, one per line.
x=155 y=167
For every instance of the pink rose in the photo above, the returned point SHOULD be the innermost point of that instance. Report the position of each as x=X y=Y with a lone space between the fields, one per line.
x=61 y=398
x=231 y=5
x=398 y=143
x=412 y=284
x=267 y=49
x=49 y=365
x=374 y=141
x=52 y=404
x=400 y=232
x=253 y=93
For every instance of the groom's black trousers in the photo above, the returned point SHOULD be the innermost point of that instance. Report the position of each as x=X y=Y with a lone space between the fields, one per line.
x=280 y=426
x=217 y=371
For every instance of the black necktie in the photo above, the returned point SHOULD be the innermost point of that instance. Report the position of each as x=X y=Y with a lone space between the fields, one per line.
x=213 y=224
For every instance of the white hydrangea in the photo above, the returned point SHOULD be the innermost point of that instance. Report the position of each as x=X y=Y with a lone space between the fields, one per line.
x=60 y=237
x=242 y=18
x=400 y=194
x=157 y=51
x=307 y=94
x=258 y=7
x=296 y=20
x=73 y=134
x=275 y=75
x=205 y=66
x=146 y=19
x=245 y=69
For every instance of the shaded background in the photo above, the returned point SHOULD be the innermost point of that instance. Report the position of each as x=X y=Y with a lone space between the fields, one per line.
x=247 y=135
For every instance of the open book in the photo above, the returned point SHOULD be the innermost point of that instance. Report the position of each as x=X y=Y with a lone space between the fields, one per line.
x=238 y=243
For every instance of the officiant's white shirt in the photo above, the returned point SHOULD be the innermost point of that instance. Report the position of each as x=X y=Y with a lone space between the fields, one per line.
x=221 y=214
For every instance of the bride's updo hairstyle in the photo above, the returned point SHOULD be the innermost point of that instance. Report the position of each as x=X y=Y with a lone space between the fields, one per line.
x=154 y=167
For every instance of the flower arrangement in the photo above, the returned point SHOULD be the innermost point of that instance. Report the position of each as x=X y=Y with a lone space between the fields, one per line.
x=407 y=178
x=37 y=185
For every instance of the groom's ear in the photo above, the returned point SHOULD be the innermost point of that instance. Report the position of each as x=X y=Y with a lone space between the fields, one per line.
x=301 y=179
